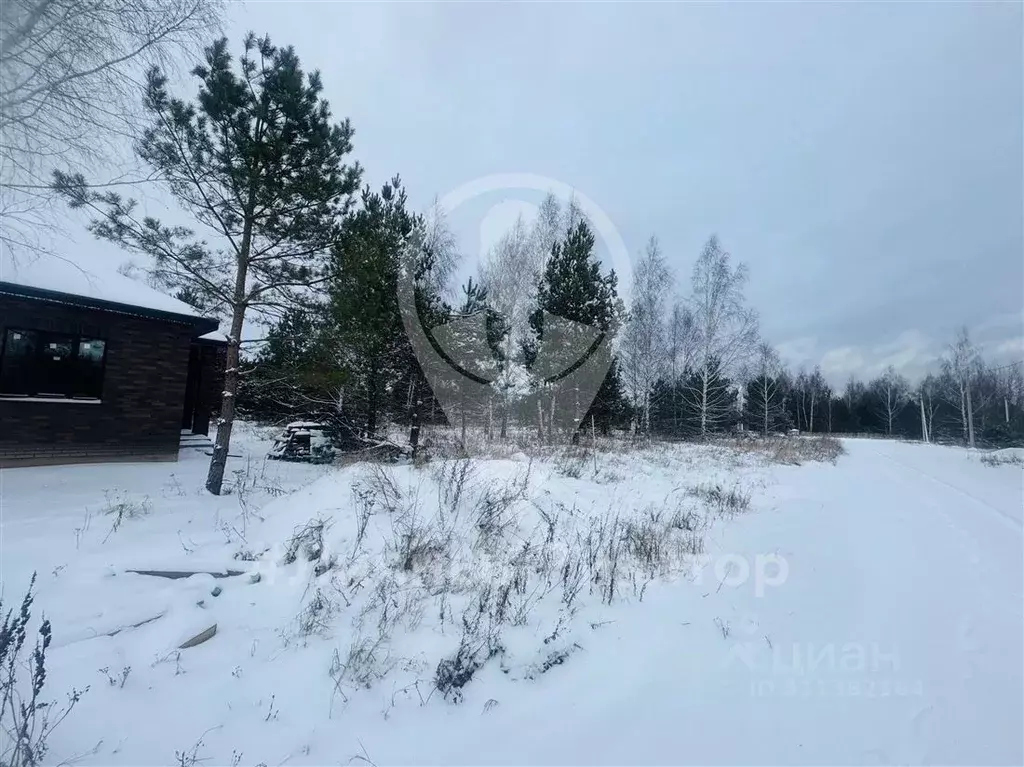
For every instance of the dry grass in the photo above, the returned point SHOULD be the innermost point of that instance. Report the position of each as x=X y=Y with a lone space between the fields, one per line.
x=790 y=451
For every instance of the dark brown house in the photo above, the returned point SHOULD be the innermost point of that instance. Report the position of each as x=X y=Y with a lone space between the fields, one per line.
x=114 y=371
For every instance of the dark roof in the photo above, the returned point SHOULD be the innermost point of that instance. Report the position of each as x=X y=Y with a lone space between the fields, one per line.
x=200 y=325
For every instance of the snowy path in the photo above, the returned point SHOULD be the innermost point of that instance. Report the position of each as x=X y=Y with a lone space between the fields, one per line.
x=897 y=637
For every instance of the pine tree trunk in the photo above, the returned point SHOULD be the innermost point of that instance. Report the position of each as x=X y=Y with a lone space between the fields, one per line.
x=924 y=422
x=222 y=444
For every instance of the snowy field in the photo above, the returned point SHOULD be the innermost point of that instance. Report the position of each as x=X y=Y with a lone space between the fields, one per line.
x=680 y=604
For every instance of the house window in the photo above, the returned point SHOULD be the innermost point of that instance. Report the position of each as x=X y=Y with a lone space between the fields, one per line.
x=35 y=363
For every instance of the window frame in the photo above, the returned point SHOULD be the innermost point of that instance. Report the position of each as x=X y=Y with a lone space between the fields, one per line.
x=41 y=339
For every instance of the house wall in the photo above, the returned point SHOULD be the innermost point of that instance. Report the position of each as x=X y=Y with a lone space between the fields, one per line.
x=213 y=360
x=139 y=415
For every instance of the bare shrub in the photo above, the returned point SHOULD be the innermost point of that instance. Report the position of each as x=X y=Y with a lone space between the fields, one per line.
x=121 y=508
x=794 y=451
x=1002 y=459
x=725 y=501
x=26 y=720
x=494 y=515
x=317 y=614
x=367 y=660
x=116 y=680
x=307 y=542
x=553 y=659
x=823 y=448
x=417 y=543
x=379 y=489
x=572 y=461
x=645 y=542
x=479 y=643
x=453 y=478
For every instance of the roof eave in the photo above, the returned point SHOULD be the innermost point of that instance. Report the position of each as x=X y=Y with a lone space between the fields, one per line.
x=200 y=325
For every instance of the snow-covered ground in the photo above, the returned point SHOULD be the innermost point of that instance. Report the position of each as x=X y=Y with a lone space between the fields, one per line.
x=635 y=611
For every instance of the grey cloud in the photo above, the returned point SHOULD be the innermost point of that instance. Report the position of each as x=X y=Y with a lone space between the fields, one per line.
x=864 y=159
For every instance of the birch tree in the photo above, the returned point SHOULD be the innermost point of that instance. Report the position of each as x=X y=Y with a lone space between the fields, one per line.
x=439 y=240
x=929 y=396
x=258 y=163
x=817 y=393
x=893 y=393
x=765 y=390
x=68 y=91
x=961 y=366
x=725 y=332
x=644 y=350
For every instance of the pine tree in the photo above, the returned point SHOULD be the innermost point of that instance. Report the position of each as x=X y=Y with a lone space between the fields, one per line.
x=574 y=289
x=257 y=161
x=367 y=326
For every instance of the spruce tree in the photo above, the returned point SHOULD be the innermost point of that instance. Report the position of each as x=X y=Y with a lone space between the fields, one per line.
x=258 y=162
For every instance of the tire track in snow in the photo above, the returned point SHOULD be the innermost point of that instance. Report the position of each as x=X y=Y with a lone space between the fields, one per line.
x=1014 y=524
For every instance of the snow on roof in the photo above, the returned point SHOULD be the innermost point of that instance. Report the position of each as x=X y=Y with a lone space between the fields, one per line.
x=216 y=335
x=94 y=281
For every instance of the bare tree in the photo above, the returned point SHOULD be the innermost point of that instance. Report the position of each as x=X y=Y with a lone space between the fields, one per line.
x=680 y=341
x=442 y=249
x=70 y=74
x=680 y=345
x=726 y=331
x=511 y=282
x=510 y=279
x=550 y=227
x=893 y=393
x=961 y=366
x=928 y=397
x=764 y=392
x=818 y=392
x=643 y=352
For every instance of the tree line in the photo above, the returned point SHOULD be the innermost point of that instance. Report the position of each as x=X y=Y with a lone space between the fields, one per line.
x=282 y=231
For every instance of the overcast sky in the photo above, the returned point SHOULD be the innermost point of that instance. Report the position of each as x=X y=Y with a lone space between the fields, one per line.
x=865 y=160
